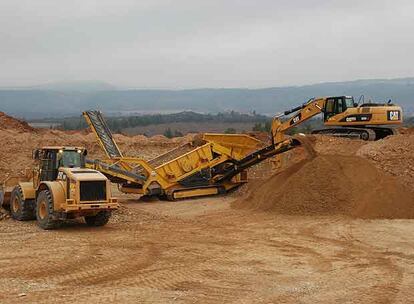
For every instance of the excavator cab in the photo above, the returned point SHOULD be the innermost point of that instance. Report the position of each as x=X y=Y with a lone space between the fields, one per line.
x=337 y=105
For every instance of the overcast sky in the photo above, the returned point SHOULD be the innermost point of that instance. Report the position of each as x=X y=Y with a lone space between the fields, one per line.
x=210 y=43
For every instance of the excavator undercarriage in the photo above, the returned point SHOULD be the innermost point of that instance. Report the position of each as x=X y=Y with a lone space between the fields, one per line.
x=364 y=133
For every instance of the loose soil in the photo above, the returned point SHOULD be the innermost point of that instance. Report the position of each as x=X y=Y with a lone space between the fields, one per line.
x=394 y=155
x=19 y=140
x=312 y=250
x=202 y=251
x=332 y=184
x=10 y=123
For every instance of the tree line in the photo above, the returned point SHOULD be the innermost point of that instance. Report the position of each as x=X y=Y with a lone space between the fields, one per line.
x=117 y=124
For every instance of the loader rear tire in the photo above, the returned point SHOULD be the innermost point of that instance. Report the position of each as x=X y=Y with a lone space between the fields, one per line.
x=44 y=211
x=100 y=219
x=20 y=209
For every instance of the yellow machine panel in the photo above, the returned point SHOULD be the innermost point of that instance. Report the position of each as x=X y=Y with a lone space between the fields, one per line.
x=214 y=165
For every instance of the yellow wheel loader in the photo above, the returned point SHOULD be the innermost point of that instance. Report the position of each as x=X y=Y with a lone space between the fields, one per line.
x=59 y=188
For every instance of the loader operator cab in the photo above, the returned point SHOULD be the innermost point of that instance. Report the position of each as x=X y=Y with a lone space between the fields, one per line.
x=50 y=159
x=337 y=105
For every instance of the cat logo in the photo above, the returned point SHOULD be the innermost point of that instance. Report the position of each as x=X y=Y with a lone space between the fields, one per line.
x=393 y=115
x=296 y=119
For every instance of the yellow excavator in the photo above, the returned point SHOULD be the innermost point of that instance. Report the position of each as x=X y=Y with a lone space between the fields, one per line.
x=342 y=117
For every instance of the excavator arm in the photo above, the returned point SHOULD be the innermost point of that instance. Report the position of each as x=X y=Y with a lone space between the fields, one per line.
x=302 y=113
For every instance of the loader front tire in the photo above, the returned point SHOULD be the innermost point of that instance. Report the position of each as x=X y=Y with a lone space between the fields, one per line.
x=44 y=211
x=100 y=219
x=20 y=209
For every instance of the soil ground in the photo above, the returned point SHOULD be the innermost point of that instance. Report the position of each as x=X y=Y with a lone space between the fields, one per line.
x=205 y=251
x=202 y=251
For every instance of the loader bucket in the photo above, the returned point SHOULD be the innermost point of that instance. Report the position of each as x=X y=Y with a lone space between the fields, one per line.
x=4 y=197
x=7 y=187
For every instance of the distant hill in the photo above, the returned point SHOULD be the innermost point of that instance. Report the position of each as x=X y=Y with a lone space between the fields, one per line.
x=76 y=86
x=58 y=100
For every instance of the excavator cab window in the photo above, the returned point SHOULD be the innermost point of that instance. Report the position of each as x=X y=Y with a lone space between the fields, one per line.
x=336 y=105
x=350 y=103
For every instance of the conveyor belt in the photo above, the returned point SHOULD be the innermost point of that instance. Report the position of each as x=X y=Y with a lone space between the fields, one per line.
x=257 y=157
x=102 y=131
x=115 y=171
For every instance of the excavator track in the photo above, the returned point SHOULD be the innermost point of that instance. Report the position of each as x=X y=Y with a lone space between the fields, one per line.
x=355 y=133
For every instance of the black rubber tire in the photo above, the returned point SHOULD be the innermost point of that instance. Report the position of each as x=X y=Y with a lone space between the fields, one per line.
x=44 y=216
x=100 y=219
x=20 y=209
x=1 y=198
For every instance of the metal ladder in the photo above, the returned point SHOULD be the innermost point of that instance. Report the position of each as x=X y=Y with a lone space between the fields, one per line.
x=102 y=131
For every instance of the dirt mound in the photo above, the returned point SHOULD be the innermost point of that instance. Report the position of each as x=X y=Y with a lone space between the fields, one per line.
x=405 y=130
x=10 y=123
x=393 y=154
x=19 y=139
x=332 y=184
x=337 y=145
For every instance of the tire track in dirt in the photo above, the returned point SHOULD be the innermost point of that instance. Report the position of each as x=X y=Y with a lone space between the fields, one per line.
x=40 y=268
x=120 y=263
x=183 y=266
x=362 y=257
x=288 y=248
x=352 y=251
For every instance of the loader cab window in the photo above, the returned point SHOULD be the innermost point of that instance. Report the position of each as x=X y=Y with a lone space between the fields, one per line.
x=70 y=159
x=336 y=105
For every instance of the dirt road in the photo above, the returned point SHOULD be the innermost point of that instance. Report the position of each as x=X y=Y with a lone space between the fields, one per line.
x=202 y=251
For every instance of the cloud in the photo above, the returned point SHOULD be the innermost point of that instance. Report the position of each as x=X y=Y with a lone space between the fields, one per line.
x=204 y=43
